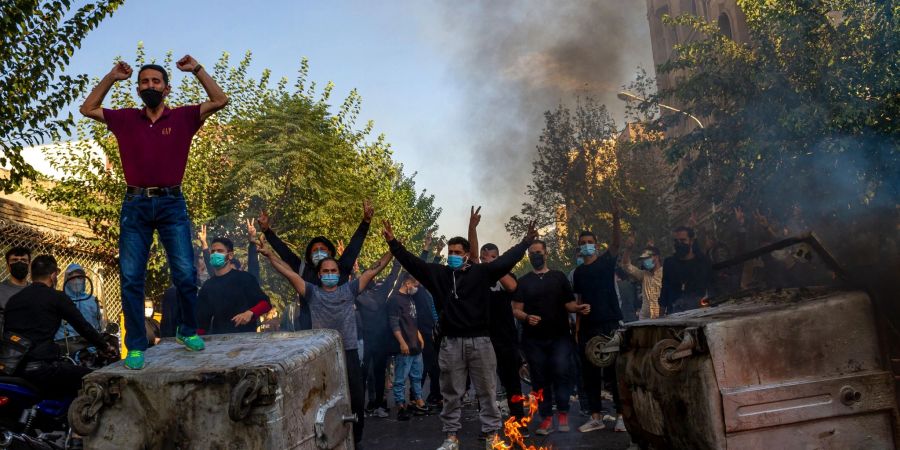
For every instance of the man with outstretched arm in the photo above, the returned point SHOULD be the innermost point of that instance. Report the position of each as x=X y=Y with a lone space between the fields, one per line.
x=154 y=142
x=461 y=291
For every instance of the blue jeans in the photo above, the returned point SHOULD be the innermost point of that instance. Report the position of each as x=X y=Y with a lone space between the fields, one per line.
x=412 y=367
x=549 y=366
x=140 y=216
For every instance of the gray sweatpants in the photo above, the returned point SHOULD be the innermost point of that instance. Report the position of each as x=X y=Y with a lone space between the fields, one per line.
x=473 y=357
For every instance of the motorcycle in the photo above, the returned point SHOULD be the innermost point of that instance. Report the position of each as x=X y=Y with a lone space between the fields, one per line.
x=31 y=420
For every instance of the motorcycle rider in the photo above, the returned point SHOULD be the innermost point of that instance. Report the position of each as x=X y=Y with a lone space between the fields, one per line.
x=36 y=313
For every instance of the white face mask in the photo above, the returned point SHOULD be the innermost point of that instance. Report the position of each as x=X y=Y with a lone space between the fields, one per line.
x=412 y=290
x=148 y=312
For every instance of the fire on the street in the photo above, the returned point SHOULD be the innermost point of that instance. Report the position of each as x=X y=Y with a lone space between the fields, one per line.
x=512 y=426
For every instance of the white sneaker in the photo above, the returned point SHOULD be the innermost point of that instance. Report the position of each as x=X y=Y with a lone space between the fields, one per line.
x=449 y=444
x=381 y=412
x=592 y=425
x=620 y=424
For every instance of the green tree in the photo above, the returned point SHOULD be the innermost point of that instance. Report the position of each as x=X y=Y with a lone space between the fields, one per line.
x=37 y=38
x=274 y=148
x=802 y=118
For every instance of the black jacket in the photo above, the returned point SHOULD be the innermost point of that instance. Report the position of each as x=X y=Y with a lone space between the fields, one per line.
x=37 y=311
x=462 y=297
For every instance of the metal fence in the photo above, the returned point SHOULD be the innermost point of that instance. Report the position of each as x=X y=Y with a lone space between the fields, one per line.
x=99 y=264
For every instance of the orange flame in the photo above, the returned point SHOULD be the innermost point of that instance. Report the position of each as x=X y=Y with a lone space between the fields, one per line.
x=511 y=426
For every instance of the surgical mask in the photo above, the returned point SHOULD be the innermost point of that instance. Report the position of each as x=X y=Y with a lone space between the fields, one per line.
x=318 y=256
x=537 y=260
x=148 y=312
x=682 y=249
x=579 y=261
x=217 y=260
x=412 y=290
x=77 y=285
x=19 y=270
x=588 y=249
x=330 y=279
x=648 y=264
x=151 y=97
x=455 y=261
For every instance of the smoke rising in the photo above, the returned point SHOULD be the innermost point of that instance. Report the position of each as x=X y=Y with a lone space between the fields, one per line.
x=516 y=60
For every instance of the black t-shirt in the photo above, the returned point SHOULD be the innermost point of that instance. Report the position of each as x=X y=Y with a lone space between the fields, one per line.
x=503 y=323
x=226 y=296
x=595 y=283
x=545 y=295
x=402 y=317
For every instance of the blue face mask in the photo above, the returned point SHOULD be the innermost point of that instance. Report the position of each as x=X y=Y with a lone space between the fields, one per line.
x=217 y=260
x=330 y=279
x=579 y=261
x=455 y=261
x=648 y=264
x=318 y=256
x=588 y=249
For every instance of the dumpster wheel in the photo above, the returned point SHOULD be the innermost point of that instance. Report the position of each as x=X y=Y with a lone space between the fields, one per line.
x=593 y=350
x=660 y=356
x=242 y=397
x=80 y=417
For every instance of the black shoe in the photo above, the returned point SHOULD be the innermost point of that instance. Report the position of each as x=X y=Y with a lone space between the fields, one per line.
x=485 y=437
x=402 y=414
x=525 y=432
x=420 y=410
x=435 y=402
x=370 y=407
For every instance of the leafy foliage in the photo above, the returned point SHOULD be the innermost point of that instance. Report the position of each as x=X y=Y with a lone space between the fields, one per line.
x=37 y=38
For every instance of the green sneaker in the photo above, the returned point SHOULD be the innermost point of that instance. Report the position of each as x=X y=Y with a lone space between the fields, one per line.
x=193 y=343
x=134 y=360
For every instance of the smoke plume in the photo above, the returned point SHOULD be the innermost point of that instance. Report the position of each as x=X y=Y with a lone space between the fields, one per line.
x=516 y=60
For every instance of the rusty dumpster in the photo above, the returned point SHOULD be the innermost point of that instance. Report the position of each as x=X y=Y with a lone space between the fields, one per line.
x=245 y=391
x=785 y=369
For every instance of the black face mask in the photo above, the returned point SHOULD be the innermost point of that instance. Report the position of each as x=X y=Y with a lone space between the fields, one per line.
x=19 y=270
x=682 y=249
x=151 y=97
x=537 y=260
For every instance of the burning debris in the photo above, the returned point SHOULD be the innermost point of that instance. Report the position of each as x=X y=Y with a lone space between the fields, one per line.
x=512 y=426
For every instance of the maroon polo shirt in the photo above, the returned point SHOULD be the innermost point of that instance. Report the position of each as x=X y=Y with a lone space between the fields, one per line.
x=154 y=154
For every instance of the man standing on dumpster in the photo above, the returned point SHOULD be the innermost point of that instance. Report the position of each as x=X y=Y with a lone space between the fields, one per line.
x=154 y=142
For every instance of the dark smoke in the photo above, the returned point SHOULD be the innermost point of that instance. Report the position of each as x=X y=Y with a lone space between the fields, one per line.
x=517 y=59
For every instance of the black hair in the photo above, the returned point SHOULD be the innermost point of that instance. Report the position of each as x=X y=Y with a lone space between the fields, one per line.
x=328 y=258
x=490 y=248
x=459 y=240
x=586 y=233
x=18 y=251
x=688 y=230
x=42 y=266
x=404 y=277
x=224 y=241
x=156 y=67
x=538 y=241
x=653 y=250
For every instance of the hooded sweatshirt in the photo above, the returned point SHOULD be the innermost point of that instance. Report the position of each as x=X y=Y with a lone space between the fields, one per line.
x=462 y=296
x=76 y=289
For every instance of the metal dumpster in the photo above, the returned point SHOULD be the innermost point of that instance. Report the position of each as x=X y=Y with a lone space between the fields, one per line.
x=794 y=368
x=245 y=391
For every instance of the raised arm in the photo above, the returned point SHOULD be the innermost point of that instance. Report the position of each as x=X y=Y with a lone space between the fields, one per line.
x=625 y=262
x=616 y=228
x=415 y=266
x=368 y=275
x=282 y=268
x=284 y=252
x=93 y=104
x=252 y=257
x=217 y=98
x=204 y=250
x=505 y=263
x=351 y=253
x=474 y=220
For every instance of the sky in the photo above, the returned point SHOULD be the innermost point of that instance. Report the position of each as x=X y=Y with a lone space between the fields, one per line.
x=458 y=88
